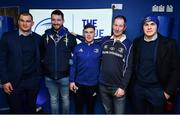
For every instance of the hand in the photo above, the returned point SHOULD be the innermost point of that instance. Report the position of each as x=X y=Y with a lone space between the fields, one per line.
x=167 y=96
x=73 y=87
x=8 y=88
x=119 y=92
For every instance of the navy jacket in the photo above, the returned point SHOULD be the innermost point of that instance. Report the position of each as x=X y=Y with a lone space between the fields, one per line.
x=167 y=62
x=116 y=68
x=58 y=47
x=11 y=58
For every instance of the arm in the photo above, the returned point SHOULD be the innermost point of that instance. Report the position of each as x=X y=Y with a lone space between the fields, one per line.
x=73 y=71
x=7 y=86
x=175 y=69
x=42 y=52
x=79 y=37
x=3 y=59
x=127 y=73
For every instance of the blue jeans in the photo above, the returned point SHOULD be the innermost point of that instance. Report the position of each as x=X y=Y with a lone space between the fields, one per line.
x=56 y=89
x=111 y=103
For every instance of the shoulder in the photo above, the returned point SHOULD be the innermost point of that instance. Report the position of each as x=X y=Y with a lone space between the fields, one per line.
x=36 y=35
x=48 y=31
x=165 y=40
x=138 y=39
x=106 y=38
x=10 y=33
x=78 y=46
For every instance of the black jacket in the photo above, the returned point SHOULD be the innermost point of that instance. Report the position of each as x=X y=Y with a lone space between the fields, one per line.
x=167 y=62
x=11 y=58
x=57 y=54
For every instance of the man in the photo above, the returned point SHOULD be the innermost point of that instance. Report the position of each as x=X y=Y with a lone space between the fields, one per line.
x=58 y=44
x=85 y=71
x=20 y=63
x=116 y=68
x=156 y=69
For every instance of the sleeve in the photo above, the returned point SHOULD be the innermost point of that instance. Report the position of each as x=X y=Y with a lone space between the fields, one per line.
x=79 y=37
x=3 y=59
x=42 y=45
x=42 y=52
x=174 y=79
x=127 y=73
x=73 y=68
x=72 y=42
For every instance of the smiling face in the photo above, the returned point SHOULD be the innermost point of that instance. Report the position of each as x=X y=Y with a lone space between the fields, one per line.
x=57 y=21
x=150 y=29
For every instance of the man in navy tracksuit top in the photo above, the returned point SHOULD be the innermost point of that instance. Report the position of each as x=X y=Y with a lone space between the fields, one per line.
x=59 y=45
x=116 y=67
x=85 y=71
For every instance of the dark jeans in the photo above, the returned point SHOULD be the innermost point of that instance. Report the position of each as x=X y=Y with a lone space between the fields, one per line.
x=85 y=95
x=23 y=99
x=148 y=99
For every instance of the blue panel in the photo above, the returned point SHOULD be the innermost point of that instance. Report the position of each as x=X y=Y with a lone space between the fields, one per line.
x=165 y=25
x=6 y=24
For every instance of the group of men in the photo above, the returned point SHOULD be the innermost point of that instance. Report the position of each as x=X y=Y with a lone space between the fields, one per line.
x=147 y=69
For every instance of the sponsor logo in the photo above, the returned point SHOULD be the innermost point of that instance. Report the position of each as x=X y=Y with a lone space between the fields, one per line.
x=96 y=50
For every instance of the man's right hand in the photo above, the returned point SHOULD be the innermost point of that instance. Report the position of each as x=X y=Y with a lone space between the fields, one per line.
x=73 y=87
x=8 y=88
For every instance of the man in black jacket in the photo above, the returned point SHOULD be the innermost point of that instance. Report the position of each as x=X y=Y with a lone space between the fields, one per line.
x=156 y=69
x=20 y=65
x=58 y=45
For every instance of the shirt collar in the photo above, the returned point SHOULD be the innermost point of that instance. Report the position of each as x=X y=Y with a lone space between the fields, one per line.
x=121 y=39
x=22 y=33
x=152 y=39
x=89 y=43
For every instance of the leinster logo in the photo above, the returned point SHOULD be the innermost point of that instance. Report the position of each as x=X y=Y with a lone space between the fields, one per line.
x=96 y=50
x=120 y=50
x=105 y=46
x=42 y=25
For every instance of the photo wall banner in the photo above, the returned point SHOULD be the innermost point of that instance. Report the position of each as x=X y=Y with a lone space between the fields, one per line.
x=75 y=19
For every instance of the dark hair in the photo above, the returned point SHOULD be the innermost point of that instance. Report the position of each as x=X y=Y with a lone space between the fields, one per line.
x=121 y=17
x=25 y=14
x=58 y=12
x=89 y=26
